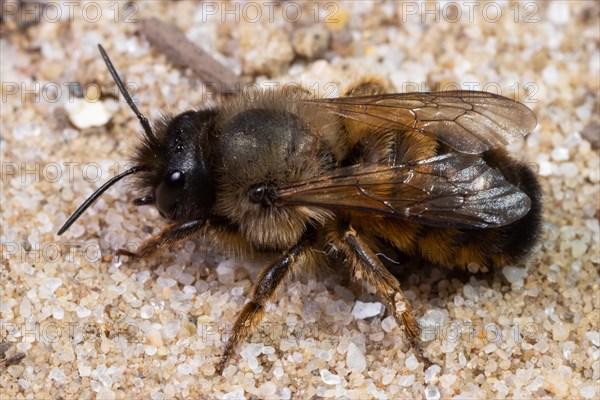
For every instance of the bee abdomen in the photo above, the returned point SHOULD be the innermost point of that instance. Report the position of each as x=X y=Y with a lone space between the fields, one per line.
x=518 y=239
x=490 y=247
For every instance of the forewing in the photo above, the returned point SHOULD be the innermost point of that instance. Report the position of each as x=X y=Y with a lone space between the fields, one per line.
x=452 y=190
x=470 y=122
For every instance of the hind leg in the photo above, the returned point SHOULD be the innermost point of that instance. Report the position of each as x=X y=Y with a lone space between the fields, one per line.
x=366 y=265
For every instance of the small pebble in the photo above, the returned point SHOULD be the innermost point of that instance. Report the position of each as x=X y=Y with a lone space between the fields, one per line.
x=154 y=337
x=49 y=286
x=85 y=114
x=411 y=362
x=156 y=395
x=226 y=271
x=237 y=394
x=560 y=331
x=82 y=312
x=57 y=375
x=594 y=337
x=24 y=384
x=550 y=74
x=432 y=372
x=469 y=292
x=16 y=370
x=166 y=282
x=591 y=133
x=267 y=389
x=514 y=274
x=588 y=391
x=85 y=370
x=447 y=380
x=568 y=169
x=388 y=378
x=25 y=308
x=406 y=380
x=432 y=392
x=578 y=248
x=184 y=369
x=388 y=323
x=150 y=350
x=311 y=42
x=490 y=348
x=560 y=154
x=58 y=313
x=366 y=310
x=355 y=359
x=278 y=372
x=171 y=328
x=329 y=378
x=105 y=394
x=169 y=391
x=146 y=311
x=189 y=289
x=558 y=13
x=545 y=168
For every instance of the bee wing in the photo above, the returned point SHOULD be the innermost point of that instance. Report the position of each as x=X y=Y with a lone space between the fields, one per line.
x=468 y=121
x=452 y=190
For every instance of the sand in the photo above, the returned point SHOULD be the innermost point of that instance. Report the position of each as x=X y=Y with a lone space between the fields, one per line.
x=93 y=326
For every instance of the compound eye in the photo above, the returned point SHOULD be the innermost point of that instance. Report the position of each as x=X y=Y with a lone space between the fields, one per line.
x=168 y=192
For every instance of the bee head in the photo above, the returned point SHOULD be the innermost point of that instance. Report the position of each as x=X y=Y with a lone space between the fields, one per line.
x=169 y=163
x=174 y=173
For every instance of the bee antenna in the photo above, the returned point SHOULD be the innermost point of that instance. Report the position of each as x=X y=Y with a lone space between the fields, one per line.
x=123 y=90
x=94 y=196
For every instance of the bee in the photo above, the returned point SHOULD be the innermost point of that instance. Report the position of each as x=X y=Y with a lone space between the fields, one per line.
x=335 y=180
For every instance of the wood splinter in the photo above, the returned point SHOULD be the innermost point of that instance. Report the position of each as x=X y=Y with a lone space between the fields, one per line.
x=181 y=52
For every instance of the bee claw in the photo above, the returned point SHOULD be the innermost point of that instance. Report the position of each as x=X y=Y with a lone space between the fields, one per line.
x=418 y=349
x=221 y=366
x=124 y=252
x=12 y=360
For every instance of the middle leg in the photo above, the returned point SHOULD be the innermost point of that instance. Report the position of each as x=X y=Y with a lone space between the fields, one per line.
x=264 y=289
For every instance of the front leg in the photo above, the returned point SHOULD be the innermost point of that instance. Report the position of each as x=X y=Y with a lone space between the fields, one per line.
x=263 y=290
x=168 y=236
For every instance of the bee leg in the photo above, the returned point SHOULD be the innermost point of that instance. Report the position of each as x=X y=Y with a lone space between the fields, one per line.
x=264 y=288
x=168 y=236
x=366 y=266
